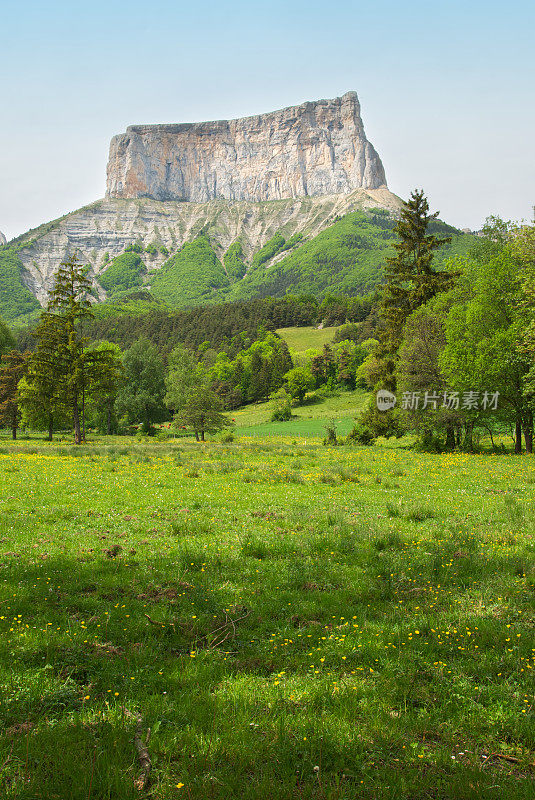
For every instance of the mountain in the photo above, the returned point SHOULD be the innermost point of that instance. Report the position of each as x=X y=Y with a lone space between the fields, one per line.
x=295 y=200
x=304 y=151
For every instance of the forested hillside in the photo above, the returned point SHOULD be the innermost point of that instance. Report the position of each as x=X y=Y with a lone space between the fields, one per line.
x=347 y=257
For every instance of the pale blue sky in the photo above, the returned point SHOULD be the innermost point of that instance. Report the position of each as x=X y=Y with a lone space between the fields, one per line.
x=446 y=88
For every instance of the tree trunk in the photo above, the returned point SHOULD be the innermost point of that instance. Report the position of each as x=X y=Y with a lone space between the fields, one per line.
x=202 y=436
x=518 y=436
x=528 y=433
x=14 y=431
x=197 y=436
x=450 y=437
x=50 y=427
x=108 y=421
x=83 y=414
x=468 y=435
x=76 y=421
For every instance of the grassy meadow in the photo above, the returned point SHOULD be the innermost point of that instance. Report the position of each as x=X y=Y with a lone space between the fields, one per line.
x=288 y=620
x=308 y=420
x=308 y=337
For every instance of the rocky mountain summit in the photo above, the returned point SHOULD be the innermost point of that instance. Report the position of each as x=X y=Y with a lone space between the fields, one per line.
x=316 y=148
x=198 y=212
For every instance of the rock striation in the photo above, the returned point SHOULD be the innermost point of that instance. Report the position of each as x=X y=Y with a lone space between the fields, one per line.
x=3 y=239
x=317 y=148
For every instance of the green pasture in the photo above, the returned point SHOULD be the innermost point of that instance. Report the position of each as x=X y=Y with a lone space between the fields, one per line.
x=307 y=338
x=288 y=620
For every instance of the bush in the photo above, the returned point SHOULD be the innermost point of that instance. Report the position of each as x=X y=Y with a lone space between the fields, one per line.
x=282 y=406
x=360 y=434
x=331 y=437
x=136 y=247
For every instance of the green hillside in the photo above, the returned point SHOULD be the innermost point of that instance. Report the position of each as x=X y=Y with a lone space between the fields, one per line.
x=194 y=275
x=307 y=338
x=124 y=272
x=347 y=257
x=15 y=298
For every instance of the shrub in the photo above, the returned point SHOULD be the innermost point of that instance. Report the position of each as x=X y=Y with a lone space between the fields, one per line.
x=282 y=406
x=360 y=434
x=331 y=437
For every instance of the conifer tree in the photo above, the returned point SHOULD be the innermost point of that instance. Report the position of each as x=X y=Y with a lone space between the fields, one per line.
x=41 y=391
x=11 y=371
x=59 y=367
x=410 y=279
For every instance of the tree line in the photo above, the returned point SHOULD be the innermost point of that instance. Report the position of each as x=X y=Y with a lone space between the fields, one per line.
x=454 y=346
x=69 y=381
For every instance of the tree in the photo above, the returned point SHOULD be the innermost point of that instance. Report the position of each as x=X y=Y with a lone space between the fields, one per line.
x=105 y=374
x=11 y=371
x=183 y=374
x=410 y=280
x=41 y=391
x=7 y=341
x=202 y=411
x=420 y=377
x=141 y=398
x=299 y=381
x=484 y=334
x=281 y=406
x=68 y=306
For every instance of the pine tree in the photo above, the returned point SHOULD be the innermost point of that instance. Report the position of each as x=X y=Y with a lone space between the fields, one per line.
x=59 y=367
x=11 y=371
x=410 y=280
x=69 y=300
x=42 y=391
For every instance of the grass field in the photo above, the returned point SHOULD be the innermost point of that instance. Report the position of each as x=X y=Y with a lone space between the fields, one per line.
x=289 y=620
x=307 y=338
x=308 y=420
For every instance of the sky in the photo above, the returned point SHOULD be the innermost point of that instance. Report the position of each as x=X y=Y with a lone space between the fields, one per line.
x=446 y=90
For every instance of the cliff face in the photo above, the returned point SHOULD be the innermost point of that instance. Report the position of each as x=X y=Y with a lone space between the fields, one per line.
x=316 y=148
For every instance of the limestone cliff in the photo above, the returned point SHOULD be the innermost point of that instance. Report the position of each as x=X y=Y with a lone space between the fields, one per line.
x=316 y=148
x=3 y=239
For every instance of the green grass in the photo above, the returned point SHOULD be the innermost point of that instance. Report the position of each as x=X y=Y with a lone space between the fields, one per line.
x=307 y=338
x=291 y=621
x=308 y=420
